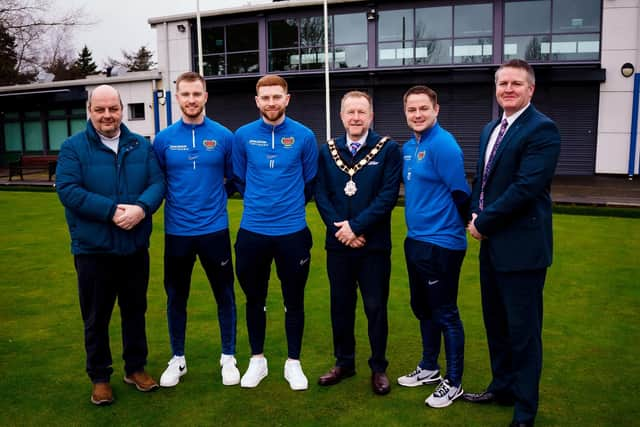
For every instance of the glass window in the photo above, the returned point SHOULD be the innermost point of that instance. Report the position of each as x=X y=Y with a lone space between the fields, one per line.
x=575 y=47
x=311 y=32
x=78 y=125
x=472 y=51
x=570 y=16
x=353 y=56
x=136 y=111
x=57 y=133
x=79 y=111
x=33 y=136
x=473 y=20
x=527 y=17
x=12 y=136
x=284 y=60
x=283 y=34
x=394 y=25
x=434 y=23
x=531 y=48
x=433 y=52
x=395 y=54
x=239 y=63
x=213 y=65
x=213 y=40
x=242 y=37
x=350 y=28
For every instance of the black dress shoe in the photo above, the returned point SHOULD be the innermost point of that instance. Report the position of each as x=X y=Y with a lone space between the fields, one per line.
x=380 y=383
x=335 y=375
x=517 y=424
x=487 y=397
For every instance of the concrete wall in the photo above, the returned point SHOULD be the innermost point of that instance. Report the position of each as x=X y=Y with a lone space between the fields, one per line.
x=174 y=58
x=620 y=44
x=133 y=93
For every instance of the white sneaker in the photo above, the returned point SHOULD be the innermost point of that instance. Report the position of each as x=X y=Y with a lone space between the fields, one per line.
x=444 y=395
x=420 y=377
x=177 y=368
x=293 y=373
x=230 y=373
x=256 y=371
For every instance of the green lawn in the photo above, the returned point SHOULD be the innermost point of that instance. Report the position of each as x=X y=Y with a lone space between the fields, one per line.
x=591 y=337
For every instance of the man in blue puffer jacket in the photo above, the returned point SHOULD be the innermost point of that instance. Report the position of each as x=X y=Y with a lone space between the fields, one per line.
x=109 y=182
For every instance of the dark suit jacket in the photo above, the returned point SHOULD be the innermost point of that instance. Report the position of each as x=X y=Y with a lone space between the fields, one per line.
x=369 y=210
x=517 y=204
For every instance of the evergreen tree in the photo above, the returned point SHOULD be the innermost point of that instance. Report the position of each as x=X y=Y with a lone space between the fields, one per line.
x=138 y=61
x=9 y=73
x=84 y=65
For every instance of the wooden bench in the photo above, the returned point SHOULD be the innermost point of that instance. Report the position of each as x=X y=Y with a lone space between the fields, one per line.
x=33 y=162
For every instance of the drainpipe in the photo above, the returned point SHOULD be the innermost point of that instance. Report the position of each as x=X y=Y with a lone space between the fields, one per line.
x=634 y=125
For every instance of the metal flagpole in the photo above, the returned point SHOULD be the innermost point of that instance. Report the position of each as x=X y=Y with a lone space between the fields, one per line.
x=199 y=29
x=327 y=89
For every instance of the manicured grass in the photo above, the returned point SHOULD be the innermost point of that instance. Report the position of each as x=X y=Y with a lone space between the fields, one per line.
x=591 y=335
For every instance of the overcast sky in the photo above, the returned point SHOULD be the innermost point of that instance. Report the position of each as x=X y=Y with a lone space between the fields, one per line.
x=123 y=23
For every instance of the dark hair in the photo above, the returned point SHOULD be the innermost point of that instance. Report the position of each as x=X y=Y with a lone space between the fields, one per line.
x=520 y=64
x=190 y=76
x=272 y=80
x=421 y=90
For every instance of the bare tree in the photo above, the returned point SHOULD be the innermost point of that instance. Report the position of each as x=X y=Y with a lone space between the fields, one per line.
x=29 y=22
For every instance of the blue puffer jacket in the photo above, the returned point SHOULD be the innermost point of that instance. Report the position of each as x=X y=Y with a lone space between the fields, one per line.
x=91 y=181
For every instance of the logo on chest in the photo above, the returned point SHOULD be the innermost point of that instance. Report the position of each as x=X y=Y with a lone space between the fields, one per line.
x=421 y=155
x=287 y=141
x=209 y=144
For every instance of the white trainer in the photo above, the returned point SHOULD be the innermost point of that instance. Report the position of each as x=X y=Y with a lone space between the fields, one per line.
x=420 y=377
x=256 y=371
x=293 y=373
x=230 y=373
x=177 y=368
x=444 y=395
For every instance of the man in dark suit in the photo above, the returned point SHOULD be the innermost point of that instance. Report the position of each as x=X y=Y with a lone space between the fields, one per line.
x=511 y=216
x=356 y=189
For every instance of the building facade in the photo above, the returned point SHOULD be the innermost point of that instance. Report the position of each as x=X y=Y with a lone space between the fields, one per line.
x=36 y=118
x=383 y=47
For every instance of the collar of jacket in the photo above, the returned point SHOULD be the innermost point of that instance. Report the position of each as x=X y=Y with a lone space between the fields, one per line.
x=269 y=127
x=126 y=137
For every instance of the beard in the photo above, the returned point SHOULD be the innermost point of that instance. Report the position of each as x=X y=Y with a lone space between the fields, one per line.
x=189 y=112
x=273 y=115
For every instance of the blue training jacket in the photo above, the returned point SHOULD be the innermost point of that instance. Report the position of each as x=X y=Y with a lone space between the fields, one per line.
x=92 y=180
x=195 y=160
x=433 y=169
x=272 y=165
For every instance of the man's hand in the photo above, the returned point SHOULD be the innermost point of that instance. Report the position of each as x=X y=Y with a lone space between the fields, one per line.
x=472 y=228
x=347 y=237
x=128 y=216
x=358 y=242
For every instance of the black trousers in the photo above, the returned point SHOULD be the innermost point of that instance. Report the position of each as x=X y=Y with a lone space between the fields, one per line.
x=370 y=272
x=292 y=255
x=512 y=311
x=102 y=279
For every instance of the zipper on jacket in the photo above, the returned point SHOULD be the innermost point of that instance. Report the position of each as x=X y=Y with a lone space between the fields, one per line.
x=193 y=144
x=272 y=162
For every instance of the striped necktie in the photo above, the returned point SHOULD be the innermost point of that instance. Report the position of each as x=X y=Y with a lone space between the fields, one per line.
x=354 y=147
x=489 y=165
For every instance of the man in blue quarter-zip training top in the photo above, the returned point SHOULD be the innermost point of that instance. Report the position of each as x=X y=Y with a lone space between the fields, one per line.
x=195 y=156
x=357 y=188
x=436 y=209
x=110 y=184
x=274 y=165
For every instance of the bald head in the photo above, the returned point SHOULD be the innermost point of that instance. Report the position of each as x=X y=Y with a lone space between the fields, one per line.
x=105 y=110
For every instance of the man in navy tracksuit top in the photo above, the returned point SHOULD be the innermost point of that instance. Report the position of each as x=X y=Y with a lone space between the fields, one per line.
x=436 y=209
x=110 y=184
x=195 y=156
x=274 y=164
x=356 y=190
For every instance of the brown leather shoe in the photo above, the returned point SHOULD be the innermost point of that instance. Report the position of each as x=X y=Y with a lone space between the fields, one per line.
x=380 y=383
x=102 y=394
x=335 y=375
x=142 y=381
